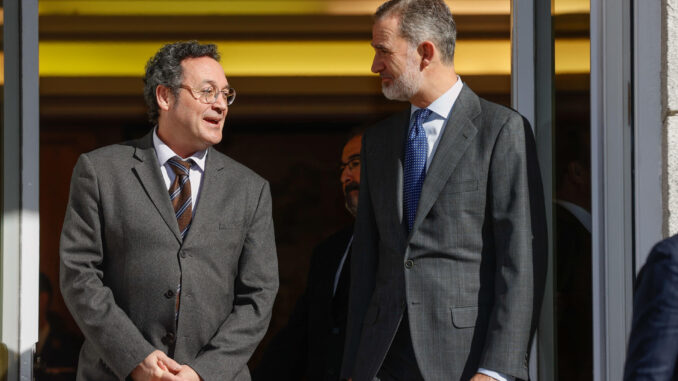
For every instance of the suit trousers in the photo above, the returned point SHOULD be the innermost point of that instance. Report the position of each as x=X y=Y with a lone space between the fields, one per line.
x=400 y=363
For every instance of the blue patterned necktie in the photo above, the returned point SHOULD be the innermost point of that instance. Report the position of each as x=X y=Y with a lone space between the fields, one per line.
x=416 y=151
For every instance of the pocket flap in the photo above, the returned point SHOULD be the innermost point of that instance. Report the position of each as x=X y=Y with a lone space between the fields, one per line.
x=464 y=317
x=231 y=225
x=461 y=186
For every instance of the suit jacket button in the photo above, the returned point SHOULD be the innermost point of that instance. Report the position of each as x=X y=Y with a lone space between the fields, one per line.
x=168 y=339
x=182 y=254
x=409 y=263
x=169 y=294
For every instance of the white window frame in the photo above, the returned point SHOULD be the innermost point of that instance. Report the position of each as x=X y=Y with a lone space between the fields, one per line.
x=626 y=133
x=20 y=224
x=532 y=95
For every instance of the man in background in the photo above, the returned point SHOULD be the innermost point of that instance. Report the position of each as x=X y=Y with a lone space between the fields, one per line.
x=168 y=260
x=311 y=344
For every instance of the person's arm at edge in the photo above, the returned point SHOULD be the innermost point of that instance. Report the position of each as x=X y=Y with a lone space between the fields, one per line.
x=653 y=343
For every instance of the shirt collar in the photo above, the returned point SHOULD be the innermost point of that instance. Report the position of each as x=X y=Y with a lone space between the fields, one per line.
x=443 y=105
x=164 y=152
x=582 y=215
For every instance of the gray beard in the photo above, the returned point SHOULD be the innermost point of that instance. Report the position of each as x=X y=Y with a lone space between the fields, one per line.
x=398 y=91
x=405 y=86
x=352 y=208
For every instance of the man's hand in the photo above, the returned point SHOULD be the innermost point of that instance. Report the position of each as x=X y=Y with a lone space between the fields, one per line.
x=156 y=367
x=482 y=377
x=187 y=373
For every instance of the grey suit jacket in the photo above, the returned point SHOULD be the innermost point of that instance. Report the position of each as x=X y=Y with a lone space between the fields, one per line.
x=471 y=272
x=122 y=257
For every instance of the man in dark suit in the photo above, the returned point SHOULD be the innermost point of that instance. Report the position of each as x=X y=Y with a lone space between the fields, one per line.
x=312 y=343
x=653 y=344
x=448 y=268
x=168 y=259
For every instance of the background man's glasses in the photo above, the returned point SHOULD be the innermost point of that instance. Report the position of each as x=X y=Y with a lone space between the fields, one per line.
x=352 y=165
x=209 y=95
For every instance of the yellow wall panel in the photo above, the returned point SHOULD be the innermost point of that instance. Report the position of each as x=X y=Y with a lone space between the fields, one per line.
x=253 y=58
x=573 y=56
x=477 y=57
x=288 y=58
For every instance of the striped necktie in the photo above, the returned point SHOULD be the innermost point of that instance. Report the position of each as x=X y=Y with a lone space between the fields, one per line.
x=180 y=193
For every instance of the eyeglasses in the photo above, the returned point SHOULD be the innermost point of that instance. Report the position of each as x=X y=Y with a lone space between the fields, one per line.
x=352 y=165
x=209 y=95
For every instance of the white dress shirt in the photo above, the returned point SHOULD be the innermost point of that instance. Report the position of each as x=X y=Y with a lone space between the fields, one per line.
x=435 y=124
x=582 y=215
x=164 y=153
x=434 y=127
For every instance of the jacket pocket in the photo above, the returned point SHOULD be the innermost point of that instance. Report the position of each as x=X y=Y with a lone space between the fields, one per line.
x=464 y=317
x=461 y=186
x=231 y=225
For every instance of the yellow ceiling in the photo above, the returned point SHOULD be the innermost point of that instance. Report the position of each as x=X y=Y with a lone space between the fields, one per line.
x=256 y=7
x=280 y=58
x=270 y=7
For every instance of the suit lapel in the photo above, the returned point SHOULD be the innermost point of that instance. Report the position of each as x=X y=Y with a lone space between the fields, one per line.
x=457 y=136
x=211 y=191
x=147 y=170
x=389 y=172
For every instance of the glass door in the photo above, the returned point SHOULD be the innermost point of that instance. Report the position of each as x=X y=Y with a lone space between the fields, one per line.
x=572 y=242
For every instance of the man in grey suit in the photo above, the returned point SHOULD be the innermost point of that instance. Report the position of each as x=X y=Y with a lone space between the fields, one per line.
x=449 y=251
x=168 y=259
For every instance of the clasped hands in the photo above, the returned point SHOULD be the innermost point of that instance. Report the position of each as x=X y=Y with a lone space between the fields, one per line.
x=159 y=367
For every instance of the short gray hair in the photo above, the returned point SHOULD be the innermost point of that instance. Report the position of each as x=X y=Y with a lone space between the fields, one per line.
x=424 y=20
x=164 y=68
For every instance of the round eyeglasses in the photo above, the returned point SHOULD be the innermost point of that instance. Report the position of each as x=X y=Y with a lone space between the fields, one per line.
x=352 y=164
x=209 y=95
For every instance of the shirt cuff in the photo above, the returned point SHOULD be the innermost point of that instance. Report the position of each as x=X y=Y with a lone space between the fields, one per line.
x=496 y=375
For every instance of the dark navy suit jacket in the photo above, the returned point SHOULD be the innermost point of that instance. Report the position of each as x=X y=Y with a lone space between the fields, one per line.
x=653 y=345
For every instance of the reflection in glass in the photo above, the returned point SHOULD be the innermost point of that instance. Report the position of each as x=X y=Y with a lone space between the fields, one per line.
x=572 y=204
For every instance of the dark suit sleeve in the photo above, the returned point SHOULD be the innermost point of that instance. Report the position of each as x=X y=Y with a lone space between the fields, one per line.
x=519 y=237
x=227 y=353
x=107 y=327
x=363 y=267
x=286 y=356
x=653 y=344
